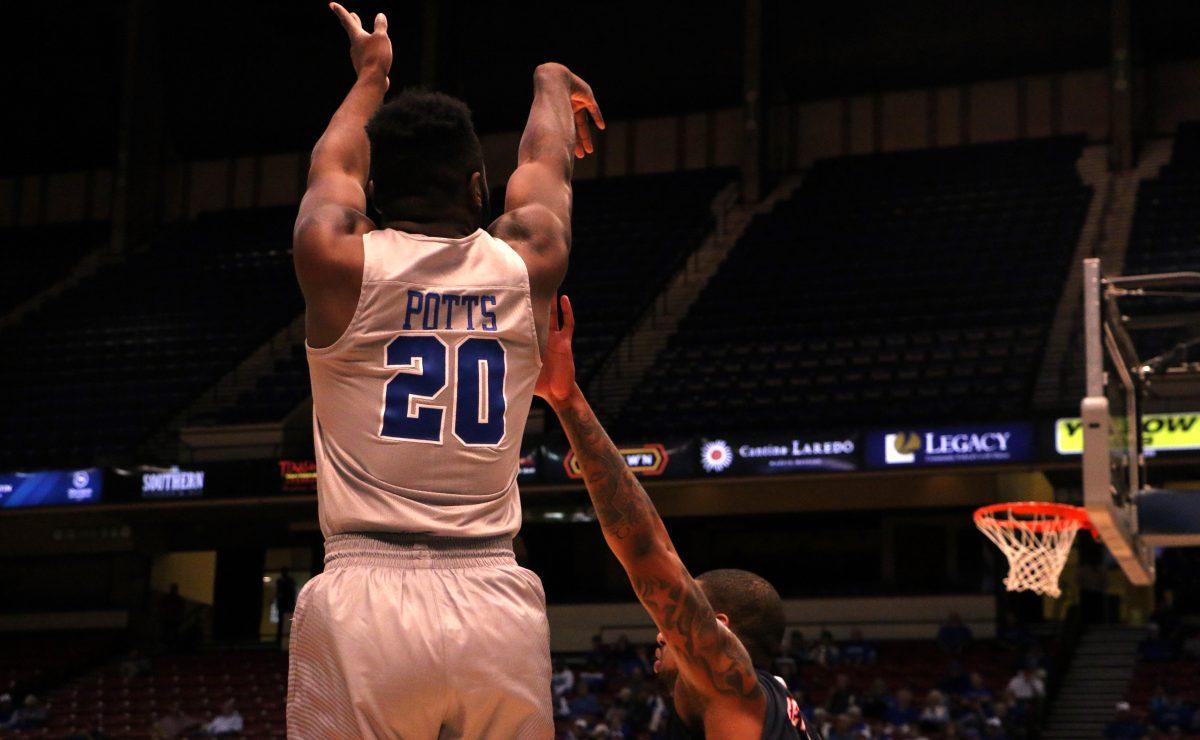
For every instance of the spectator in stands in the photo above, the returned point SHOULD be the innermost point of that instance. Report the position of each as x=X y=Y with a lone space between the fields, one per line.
x=797 y=648
x=135 y=664
x=1012 y=633
x=977 y=690
x=285 y=603
x=6 y=709
x=599 y=651
x=858 y=651
x=1124 y=726
x=935 y=713
x=31 y=715
x=176 y=723
x=825 y=652
x=841 y=697
x=993 y=729
x=841 y=729
x=1167 y=617
x=1170 y=711
x=1027 y=686
x=954 y=636
x=173 y=609
x=563 y=679
x=1154 y=648
x=228 y=722
x=875 y=701
x=902 y=711
x=957 y=679
x=585 y=704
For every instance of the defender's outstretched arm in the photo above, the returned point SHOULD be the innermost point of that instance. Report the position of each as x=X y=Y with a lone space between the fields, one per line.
x=712 y=660
x=332 y=213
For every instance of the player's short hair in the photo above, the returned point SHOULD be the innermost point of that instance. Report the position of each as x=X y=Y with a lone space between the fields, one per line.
x=423 y=145
x=754 y=609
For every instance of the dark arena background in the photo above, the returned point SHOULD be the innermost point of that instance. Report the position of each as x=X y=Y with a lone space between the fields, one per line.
x=827 y=266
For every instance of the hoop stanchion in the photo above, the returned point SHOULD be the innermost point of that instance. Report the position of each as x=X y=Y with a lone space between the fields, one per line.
x=1036 y=538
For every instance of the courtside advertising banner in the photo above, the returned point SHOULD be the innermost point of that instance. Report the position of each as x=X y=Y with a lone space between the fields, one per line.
x=648 y=460
x=980 y=444
x=1174 y=432
x=51 y=488
x=776 y=454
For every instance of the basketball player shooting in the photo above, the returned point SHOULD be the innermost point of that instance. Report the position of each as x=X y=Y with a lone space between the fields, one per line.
x=715 y=658
x=424 y=341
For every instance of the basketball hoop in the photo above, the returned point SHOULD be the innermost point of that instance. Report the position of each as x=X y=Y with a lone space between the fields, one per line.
x=1036 y=538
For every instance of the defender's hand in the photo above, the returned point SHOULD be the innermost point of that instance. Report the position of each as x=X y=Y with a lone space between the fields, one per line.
x=557 y=381
x=369 y=52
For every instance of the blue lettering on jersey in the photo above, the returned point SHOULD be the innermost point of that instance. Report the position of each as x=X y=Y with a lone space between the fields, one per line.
x=478 y=311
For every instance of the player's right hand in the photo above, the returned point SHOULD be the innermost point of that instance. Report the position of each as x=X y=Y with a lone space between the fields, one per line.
x=583 y=104
x=369 y=52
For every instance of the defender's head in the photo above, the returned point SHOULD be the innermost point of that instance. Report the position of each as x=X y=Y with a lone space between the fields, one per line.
x=749 y=606
x=426 y=161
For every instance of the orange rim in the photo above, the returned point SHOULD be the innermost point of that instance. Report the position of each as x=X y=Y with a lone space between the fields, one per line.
x=1061 y=516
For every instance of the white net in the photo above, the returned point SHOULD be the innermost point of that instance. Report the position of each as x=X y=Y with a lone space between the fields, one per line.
x=1036 y=544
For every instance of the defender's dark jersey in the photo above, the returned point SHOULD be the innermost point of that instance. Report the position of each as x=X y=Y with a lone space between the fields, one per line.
x=782 y=719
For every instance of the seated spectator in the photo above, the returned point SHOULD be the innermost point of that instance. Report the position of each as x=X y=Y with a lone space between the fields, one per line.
x=1124 y=726
x=1027 y=686
x=825 y=651
x=956 y=680
x=993 y=729
x=1166 y=616
x=857 y=651
x=902 y=711
x=599 y=652
x=1012 y=634
x=977 y=690
x=6 y=709
x=876 y=702
x=797 y=648
x=592 y=676
x=228 y=722
x=31 y=715
x=806 y=707
x=135 y=664
x=935 y=713
x=858 y=725
x=585 y=704
x=562 y=680
x=176 y=723
x=842 y=728
x=1171 y=712
x=1154 y=648
x=954 y=636
x=786 y=668
x=841 y=696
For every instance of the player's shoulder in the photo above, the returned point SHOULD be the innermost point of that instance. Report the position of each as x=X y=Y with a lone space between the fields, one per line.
x=539 y=237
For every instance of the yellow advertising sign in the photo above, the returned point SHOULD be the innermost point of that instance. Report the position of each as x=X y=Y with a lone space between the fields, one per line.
x=1160 y=433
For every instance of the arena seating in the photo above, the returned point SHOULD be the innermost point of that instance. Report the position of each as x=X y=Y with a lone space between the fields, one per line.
x=902 y=287
x=1166 y=234
x=104 y=363
x=630 y=235
x=30 y=661
x=34 y=258
x=125 y=706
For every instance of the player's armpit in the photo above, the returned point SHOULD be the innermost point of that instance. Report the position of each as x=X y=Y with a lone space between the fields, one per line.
x=328 y=255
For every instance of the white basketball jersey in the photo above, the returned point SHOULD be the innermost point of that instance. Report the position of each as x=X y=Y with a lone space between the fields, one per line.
x=419 y=407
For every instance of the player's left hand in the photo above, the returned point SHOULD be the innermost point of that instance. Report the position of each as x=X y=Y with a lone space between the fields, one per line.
x=557 y=380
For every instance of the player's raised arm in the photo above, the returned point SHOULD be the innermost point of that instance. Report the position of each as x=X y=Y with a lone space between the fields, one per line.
x=537 y=200
x=332 y=216
x=712 y=660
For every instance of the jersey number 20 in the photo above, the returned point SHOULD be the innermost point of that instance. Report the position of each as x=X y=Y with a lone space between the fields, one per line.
x=422 y=373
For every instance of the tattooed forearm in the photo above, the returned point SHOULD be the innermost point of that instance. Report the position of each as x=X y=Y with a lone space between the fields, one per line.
x=622 y=506
x=638 y=538
x=681 y=609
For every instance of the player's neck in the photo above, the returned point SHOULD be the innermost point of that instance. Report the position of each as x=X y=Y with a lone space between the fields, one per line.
x=451 y=228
